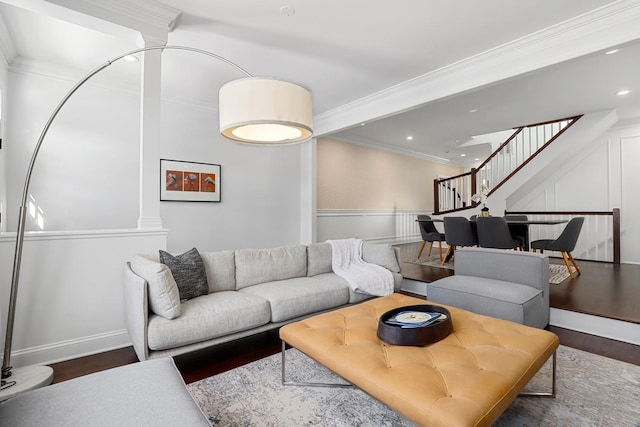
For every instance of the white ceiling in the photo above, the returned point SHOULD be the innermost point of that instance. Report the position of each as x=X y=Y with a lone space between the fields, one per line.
x=348 y=52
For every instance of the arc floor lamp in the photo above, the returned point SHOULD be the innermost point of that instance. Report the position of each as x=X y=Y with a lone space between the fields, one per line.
x=253 y=110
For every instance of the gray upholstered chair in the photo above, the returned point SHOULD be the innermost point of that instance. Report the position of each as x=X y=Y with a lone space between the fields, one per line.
x=429 y=234
x=458 y=232
x=493 y=232
x=565 y=243
x=510 y=285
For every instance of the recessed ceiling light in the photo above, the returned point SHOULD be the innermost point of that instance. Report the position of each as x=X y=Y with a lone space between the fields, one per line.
x=473 y=110
x=611 y=52
x=409 y=138
x=131 y=58
x=476 y=159
x=287 y=11
x=624 y=92
x=362 y=124
x=463 y=155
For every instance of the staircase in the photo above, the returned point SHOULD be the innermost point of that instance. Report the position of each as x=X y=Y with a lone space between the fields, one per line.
x=454 y=194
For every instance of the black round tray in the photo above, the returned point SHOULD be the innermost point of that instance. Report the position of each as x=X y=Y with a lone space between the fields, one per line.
x=421 y=336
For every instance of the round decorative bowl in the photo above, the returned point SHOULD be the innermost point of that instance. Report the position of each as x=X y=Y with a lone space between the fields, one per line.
x=415 y=335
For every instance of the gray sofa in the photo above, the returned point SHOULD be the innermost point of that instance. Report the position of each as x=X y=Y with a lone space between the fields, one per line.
x=150 y=393
x=507 y=284
x=250 y=291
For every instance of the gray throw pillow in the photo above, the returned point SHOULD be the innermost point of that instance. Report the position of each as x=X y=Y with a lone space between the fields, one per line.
x=189 y=273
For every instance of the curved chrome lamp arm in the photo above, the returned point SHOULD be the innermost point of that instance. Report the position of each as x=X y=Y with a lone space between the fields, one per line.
x=17 y=258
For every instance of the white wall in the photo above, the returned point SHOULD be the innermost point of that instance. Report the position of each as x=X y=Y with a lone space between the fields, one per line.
x=86 y=183
x=3 y=188
x=70 y=294
x=260 y=191
x=86 y=174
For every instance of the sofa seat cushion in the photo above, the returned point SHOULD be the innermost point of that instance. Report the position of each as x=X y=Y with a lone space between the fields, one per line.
x=354 y=297
x=490 y=297
x=300 y=296
x=208 y=316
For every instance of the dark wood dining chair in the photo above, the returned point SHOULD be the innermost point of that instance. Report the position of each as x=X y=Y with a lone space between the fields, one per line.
x=565 y=243
x=457 y=232
x=429 y=234
x=493 y=232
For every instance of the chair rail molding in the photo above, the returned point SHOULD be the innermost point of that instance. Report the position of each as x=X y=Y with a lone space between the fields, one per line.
x=376 y=225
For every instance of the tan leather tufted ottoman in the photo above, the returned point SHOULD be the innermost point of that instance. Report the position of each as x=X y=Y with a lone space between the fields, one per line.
x=466 y=379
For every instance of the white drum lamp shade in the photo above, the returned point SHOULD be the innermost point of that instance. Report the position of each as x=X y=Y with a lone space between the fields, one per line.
x=265 y=111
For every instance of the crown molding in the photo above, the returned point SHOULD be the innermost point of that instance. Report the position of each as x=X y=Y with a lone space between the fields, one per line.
x=395 y=150
x=608 y=26
x=30 y=67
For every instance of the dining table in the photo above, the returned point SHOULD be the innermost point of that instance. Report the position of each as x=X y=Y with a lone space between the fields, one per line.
x=514 y=224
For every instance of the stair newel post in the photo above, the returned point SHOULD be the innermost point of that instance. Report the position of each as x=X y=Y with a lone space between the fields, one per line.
x=474 y=186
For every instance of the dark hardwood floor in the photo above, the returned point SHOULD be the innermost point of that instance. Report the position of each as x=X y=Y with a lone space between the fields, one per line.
x=602 y=289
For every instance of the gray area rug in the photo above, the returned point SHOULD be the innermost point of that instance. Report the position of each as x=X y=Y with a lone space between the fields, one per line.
x=591 y=391
x=432 y=261
x=558 y=273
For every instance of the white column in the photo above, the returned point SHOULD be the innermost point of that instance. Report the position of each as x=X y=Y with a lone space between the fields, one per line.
x=150 y=117
x=308 y=160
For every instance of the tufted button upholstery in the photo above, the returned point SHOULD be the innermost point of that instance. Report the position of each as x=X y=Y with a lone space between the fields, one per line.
x=467 y=379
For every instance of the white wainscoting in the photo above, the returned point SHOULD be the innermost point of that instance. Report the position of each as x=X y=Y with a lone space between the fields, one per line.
x=70 y=298
x=371 y=225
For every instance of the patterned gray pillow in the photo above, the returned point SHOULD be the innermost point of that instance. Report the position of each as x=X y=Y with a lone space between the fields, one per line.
x=189 y=273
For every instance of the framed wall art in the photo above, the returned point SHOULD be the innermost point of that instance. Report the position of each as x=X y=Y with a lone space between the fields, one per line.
x=189 y=181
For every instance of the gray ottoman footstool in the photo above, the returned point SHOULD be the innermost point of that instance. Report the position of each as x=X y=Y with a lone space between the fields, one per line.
x=150 y=393
x=500 y=283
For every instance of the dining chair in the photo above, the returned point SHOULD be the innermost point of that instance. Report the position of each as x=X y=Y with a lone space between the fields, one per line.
x=493 y=232
x=457 y=232
x=565 y=243
x=429 y=234
x=519 y=231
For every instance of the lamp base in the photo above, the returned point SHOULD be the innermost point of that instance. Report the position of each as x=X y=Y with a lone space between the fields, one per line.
x=25 y=379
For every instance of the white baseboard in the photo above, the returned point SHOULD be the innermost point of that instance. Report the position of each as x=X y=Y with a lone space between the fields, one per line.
x=415 y=287
x=595 y=325
x=71 y=349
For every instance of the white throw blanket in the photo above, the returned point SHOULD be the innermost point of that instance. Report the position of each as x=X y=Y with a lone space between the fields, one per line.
x=363 y=277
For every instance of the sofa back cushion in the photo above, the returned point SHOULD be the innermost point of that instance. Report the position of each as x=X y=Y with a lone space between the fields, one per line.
x=318 y=259
x=221 y=270
x=254 y=266
x=162 y=290
x=381 y=254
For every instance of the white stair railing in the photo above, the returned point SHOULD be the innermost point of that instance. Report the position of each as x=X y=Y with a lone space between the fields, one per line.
x=452 y=194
